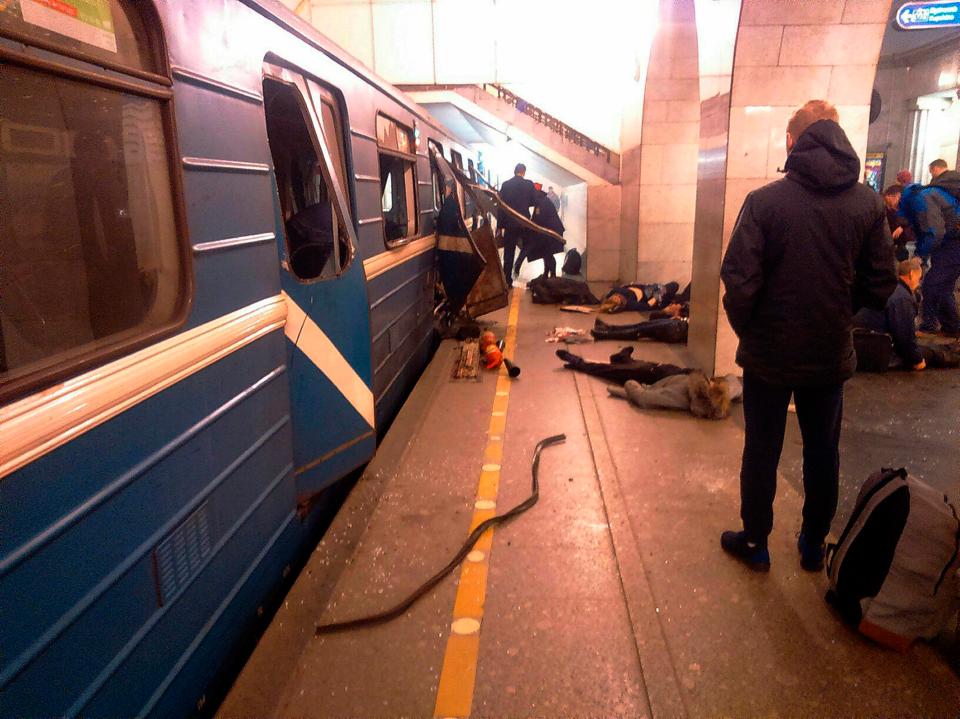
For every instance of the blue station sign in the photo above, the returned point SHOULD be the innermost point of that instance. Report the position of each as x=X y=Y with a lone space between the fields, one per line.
x=929 y=14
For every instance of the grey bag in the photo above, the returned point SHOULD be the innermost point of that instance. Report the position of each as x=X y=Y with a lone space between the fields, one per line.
x=893 y=573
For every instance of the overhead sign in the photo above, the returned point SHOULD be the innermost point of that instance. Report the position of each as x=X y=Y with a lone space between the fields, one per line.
x=929 y=14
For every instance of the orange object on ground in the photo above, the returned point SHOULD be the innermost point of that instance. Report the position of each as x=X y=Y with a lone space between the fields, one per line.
x=492 y=356
x=487 y=338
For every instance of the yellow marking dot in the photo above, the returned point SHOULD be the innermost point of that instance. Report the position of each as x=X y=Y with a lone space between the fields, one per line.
x=502 y=393
x=485 y=504
x=476 y=556
x=491 y=467
x=466 y=625
x=499 y=414
x=495 y=438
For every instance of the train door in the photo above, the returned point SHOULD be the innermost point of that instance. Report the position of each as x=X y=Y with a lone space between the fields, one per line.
x=328 y=326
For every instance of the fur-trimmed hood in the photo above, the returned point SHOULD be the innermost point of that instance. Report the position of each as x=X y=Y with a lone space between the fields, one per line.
x=709 y=398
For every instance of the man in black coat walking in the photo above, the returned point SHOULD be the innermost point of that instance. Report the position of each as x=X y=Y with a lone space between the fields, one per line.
x=519 y=194
x=540 y=246
x=807 y=252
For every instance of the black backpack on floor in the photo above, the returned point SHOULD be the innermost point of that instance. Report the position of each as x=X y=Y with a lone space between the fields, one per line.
x=572 y=263
x=893 y=573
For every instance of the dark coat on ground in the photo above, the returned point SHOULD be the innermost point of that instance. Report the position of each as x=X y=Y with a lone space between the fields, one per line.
x=561 y=291
x=897 y=320
x=622 y=367
x=806 y=253
x=520 y=194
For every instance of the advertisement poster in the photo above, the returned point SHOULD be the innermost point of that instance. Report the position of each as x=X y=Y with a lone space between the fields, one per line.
x=873 y=170
x=88 y=21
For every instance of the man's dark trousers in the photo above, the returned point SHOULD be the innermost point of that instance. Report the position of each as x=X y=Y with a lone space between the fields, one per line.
x=819 y=412
x=510 y=237
x=939 y=284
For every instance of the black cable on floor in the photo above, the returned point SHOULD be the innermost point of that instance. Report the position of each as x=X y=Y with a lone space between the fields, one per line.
x=402 y=607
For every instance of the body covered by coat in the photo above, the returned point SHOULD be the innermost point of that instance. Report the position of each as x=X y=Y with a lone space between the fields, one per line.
x=807 y=252
x=561 y=291
x=622 y=367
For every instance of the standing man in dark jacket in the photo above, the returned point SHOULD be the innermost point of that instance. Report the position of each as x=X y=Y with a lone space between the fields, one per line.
x=519 y=194
x=940 y=173
x=807 y=251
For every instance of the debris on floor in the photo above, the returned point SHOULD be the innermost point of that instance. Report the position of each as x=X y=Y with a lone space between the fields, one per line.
x=568 y=335
x=466 y=364
x=582 y=309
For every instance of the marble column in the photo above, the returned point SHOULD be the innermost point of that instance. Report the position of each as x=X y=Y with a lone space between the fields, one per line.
x=667 y=186
x=787 y=52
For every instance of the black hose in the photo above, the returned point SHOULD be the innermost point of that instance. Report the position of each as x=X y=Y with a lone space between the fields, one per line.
x=403 y=606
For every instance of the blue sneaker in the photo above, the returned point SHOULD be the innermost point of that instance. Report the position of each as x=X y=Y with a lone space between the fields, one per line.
x=811 y=554
x=752 y=554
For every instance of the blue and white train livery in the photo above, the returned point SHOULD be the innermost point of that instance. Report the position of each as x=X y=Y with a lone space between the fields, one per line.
x=216 y=289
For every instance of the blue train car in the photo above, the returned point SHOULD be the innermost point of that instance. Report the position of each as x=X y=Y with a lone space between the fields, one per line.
x=216 y=289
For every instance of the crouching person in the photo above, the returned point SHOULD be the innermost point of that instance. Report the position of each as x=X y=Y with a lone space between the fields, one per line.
x=898 y=321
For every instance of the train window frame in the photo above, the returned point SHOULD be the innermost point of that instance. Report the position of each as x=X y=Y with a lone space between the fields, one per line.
x=311 y=93
x=456 y=159
x=69 y=63
x=435 y=179
x=39 y=37
x=395 y=151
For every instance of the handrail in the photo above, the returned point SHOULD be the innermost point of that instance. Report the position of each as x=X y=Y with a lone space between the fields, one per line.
x=520 y=105
x=558 y=126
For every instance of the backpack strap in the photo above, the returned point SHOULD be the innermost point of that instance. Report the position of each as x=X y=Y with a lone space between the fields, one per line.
x=956 y=548
x=887 y=475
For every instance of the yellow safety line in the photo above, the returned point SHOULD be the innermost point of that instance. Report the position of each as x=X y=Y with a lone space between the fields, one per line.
x=459 y=673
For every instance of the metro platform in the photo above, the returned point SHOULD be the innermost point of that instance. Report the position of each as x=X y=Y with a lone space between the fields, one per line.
x=609 y=598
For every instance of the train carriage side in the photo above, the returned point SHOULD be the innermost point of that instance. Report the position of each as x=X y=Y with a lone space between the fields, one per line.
x=170 y=397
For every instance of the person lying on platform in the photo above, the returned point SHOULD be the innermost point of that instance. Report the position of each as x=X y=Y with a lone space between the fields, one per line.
x=897 y=320
x=665 y=329
x=675 y=310
x=622 y=367
x=640 y=297
x=702 y=397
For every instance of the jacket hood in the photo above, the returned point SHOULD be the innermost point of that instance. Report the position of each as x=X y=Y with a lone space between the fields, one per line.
x=823 y=159
x=911 y=201
x=949 y=181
